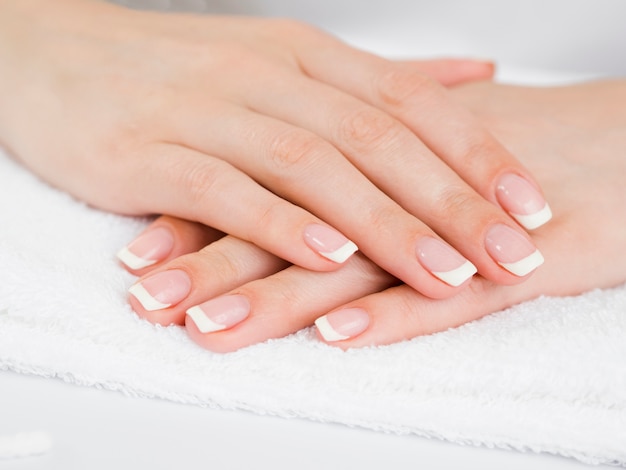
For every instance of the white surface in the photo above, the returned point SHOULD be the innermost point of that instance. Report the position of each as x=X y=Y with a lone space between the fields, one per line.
x=97 y=430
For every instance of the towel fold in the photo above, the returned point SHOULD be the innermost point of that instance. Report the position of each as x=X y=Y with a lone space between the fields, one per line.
x=547 y=376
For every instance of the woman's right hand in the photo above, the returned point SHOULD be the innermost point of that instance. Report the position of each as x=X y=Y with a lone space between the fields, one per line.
x=268 y=130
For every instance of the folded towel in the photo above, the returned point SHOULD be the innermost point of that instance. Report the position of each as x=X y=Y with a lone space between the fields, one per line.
x=545 y=376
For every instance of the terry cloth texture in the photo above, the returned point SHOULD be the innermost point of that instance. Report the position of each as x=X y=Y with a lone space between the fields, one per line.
x=547 y=376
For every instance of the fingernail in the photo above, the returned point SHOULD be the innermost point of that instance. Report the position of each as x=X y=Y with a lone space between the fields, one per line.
x=512 y=251
x=162 y=290
x=342 y=324
x=147 y=249
x=523 y=201
x=444 y=262
x=220 y=313
x=329 y=243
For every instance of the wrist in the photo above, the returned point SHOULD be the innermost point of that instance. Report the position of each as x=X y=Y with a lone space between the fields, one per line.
x=38 y=39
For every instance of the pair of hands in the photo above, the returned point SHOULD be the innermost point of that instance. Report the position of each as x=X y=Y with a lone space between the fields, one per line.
x=270 y=131
x=278 y=135
x=572 y=138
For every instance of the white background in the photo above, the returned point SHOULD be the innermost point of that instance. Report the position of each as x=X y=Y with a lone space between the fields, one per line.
x=532 y=40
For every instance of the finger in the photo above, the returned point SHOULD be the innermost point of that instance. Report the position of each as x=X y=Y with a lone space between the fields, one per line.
x=289 y=300
x=278 y=305
x=164 y=294
x=194 y=186
x=303 y=168
x=450 y=72
x=163 y=240
x=447 y=128
x=400 y=313
x=397 y=162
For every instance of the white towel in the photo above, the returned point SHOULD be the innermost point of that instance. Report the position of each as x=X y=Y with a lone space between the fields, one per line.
x=546 y=376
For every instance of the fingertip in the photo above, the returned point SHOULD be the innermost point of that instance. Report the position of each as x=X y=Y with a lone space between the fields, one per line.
x=151 y=247
x=522 y=199
x=450 y=72
x=165 y=317
x=217 y=341
x=329 y=243
x=156 y=297
x=164 y=240
x=535 y=220
x=444 y=262
x=342 y=324
x=213 y=324
x=476 y=69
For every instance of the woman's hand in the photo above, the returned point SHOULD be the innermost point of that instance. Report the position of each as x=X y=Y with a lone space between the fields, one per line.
x=572 y=138
x=268 y=130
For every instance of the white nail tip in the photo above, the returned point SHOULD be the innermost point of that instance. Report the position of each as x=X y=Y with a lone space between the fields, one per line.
x=132 y=260
x=145 y=299
x=533 y=221
x=457 y=276
x=525 y=265
x=341 y=254
x=327 y=331
x=204 y=323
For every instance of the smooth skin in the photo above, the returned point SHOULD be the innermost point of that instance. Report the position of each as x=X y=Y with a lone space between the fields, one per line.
x=260 y=128
x=573 y=139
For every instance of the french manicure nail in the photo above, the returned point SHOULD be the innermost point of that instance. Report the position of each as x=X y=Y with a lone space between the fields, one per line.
x=342 y=324
x=523 y=201
x=162 y=290
x=443 y=261
x=220 y=313
x=329 y=243
x=512 y=250
x=147 y=249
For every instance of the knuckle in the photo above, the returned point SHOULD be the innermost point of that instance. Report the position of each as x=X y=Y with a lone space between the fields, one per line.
x=369 y=273
x=269 y=222
x=383 y=219
x=480 y=153
x=368 y=129
x=200 y=182
x=398 y=85
x=294 y=149
x=275 y=295
x=286 y=295
x=227 y=268
x=455 y=202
